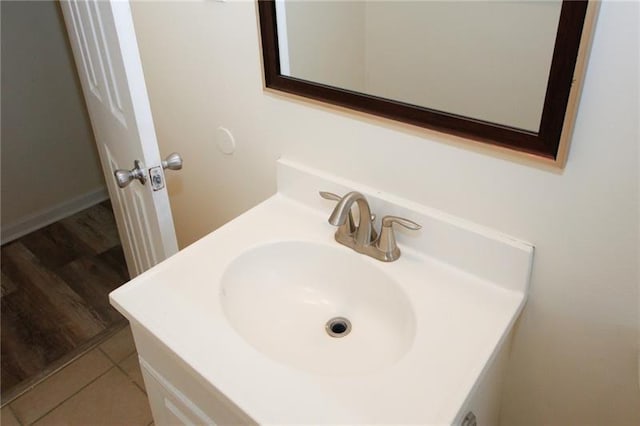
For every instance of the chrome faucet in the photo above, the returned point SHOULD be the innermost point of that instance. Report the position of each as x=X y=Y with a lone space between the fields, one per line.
x=363 y=237
x=339 y=216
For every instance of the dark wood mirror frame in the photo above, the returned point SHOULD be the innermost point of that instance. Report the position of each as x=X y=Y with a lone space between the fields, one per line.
x=550 y=143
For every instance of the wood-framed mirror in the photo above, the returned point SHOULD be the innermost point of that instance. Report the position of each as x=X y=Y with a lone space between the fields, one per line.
x=503 y=73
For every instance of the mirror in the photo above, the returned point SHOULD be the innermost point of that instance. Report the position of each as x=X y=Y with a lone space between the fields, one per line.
x=496 y=72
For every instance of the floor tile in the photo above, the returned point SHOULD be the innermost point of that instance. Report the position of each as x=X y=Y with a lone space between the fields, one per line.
x=7 y=418
x=131 y=366
x=119 y=346
x=111 y=400
x=60 y=386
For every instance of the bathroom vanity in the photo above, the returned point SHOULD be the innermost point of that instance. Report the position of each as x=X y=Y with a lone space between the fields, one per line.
x=269 y=320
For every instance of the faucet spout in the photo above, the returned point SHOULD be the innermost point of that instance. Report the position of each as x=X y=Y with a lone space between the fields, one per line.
x=341 y=211
x=363 y=238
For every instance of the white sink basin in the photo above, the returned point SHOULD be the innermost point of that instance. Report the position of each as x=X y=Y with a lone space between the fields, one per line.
x=244 y=311
x=280 y=296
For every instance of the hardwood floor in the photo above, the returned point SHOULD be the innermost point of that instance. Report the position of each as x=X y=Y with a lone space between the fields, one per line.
x=54 y=300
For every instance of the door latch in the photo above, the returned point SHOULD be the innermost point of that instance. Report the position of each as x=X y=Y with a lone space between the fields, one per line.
x=156 y=178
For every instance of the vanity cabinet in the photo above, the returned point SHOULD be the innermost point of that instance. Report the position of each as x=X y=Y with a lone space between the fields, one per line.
x=486 y=398
x=169 y=405
x=236 y=342
x=177 y=395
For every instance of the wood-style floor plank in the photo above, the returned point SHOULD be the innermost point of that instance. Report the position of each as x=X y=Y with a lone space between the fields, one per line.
x=96 y=227
x=91 y=278
x=51 y=291
x=114 y=258
x=55 y=285
x=55 y=245
x=7 y=285
x=26 y=348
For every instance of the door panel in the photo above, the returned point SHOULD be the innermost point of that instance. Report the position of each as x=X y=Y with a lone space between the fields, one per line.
x=106 y=53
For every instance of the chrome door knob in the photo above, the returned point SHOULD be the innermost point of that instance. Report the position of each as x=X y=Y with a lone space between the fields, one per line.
x=172 y=162
x=124 y=177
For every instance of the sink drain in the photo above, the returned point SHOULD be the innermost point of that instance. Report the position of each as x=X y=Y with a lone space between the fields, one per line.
x=338 y=327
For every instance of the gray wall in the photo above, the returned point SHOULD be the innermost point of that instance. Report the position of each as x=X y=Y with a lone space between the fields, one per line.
x=49 y=156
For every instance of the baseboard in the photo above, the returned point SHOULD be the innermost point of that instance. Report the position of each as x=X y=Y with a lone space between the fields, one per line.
x=32 y=222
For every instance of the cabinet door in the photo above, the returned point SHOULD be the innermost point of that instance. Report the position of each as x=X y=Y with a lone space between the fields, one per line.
x=168 y=405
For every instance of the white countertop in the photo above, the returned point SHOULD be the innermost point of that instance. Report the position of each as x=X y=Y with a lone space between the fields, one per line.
x=461 y=320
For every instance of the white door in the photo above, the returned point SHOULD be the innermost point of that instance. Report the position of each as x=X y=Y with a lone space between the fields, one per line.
x=106 y=55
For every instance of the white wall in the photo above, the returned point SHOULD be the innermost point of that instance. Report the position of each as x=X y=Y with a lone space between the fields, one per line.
x=49 y=156
x=574 y=358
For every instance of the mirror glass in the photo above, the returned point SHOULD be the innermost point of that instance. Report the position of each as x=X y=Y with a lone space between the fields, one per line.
x=486 y=60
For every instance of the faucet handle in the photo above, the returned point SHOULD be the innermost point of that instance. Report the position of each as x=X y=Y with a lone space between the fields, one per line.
x=387 y=241
x=387 y=221
x=330 y=196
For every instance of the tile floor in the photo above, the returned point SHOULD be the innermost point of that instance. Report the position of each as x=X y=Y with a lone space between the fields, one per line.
x=102 y=387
